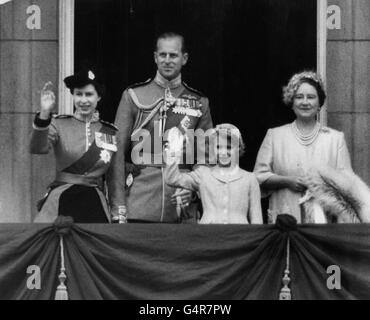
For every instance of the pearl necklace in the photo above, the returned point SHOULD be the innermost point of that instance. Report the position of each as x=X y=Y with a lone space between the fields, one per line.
x=308 y=139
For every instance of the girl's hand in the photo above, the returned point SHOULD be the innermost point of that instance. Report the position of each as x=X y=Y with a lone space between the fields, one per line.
x=175 y=141
x=169 y=157
x=173 y=148
x=47 y=101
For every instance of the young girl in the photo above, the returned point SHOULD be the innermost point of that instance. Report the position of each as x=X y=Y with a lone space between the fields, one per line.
x=229 y=194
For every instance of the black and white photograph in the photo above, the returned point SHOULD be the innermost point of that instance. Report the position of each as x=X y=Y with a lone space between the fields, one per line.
x=184 y=154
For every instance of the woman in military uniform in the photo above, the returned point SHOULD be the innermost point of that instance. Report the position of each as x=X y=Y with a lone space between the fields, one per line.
x=83 y=146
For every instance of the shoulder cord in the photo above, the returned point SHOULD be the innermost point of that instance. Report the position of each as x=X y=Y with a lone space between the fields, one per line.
x=156 y=105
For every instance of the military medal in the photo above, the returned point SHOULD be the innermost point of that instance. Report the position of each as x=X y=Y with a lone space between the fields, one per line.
x=189 y=96
x=187 y=107
x=169 y=99
x=106 y=141
x=105 y=156
x=129 y=180
x=188 y=111
x=185 y=123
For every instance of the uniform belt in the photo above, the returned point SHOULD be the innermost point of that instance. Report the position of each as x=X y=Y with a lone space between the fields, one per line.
x=77 y=179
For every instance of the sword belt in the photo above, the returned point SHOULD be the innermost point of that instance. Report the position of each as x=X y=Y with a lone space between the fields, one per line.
x=77 y=179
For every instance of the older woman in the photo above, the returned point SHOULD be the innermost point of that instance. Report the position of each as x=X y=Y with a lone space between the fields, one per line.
x=288 y=152
x=83 y=147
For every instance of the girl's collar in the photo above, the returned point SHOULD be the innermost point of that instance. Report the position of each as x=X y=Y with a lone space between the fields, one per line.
x=226 y=176
x=226 y=172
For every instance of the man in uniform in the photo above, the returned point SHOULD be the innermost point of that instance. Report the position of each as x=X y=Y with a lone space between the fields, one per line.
x=137 y=190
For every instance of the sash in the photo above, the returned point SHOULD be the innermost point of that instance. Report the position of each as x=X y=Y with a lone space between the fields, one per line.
x=40 y=203
x=63 y=178
x=89 y=158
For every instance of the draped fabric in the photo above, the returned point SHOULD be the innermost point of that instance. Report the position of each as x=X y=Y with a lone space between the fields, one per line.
x=163 y=261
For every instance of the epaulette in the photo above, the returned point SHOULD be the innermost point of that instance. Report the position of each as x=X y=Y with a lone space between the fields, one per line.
x=139 y=84
x=62 y=116
x=110 y=125
x=193 y=90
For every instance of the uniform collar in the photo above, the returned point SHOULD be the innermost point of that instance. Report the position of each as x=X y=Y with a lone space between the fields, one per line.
x=95 y=117
x=236 y=174
x=164 y=83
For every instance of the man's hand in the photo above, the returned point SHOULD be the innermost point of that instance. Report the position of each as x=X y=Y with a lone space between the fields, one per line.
x=119 y=214
x=184 y=194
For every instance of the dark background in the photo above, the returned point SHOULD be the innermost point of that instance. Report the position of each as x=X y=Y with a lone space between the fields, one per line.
x=241 y=53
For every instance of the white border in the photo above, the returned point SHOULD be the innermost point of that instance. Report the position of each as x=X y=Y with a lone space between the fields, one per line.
x=321 y=50
x=66 y=53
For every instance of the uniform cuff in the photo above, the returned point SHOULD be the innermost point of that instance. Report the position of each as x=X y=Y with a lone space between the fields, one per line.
x=41 y=123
